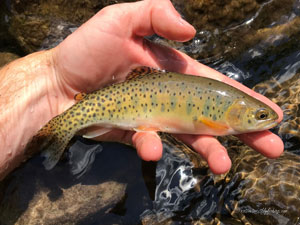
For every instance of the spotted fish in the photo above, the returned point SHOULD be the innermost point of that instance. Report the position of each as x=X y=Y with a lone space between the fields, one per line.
x=155 y=100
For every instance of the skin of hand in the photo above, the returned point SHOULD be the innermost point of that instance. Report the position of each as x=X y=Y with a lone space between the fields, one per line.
x=100 y=52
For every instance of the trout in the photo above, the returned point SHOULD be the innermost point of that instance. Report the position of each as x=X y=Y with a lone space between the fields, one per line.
x=155 y=100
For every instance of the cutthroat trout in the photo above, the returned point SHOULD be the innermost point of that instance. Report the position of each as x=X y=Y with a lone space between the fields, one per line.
x=155 y=100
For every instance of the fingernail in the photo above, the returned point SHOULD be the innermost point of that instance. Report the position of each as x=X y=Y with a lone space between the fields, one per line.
x=184 y=22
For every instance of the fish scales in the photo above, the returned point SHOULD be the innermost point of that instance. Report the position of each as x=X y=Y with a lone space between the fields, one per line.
x=159 y=101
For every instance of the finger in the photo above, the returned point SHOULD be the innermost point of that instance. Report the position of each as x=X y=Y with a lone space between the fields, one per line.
x=148 y=145
x=211 y=150
x=265 y=142
x=160 y=17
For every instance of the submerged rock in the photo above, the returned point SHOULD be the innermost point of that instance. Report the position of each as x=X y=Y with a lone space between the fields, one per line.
x=112 y=192
x=6 y=57
x=228 y=28
x=43 y=24
x=76 y=203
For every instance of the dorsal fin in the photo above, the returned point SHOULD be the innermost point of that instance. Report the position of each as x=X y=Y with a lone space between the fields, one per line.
x=141 y=71
x=79 y=96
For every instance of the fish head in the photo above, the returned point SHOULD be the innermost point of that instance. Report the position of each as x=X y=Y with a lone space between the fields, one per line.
x=249 y=115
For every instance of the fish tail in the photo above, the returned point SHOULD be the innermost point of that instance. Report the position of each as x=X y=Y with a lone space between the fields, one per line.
x=51 y=140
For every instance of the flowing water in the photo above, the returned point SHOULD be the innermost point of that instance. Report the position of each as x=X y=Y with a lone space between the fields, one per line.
x=254 y=42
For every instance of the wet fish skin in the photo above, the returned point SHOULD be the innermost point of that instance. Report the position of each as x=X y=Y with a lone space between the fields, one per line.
x=153 y=100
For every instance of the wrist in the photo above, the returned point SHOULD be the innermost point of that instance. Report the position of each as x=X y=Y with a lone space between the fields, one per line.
x=30 y=95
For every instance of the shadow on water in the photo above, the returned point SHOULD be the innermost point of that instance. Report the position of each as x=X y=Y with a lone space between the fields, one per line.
x=117 y=166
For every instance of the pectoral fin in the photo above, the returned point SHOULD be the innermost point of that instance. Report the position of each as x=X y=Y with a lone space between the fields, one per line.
x=213 y=124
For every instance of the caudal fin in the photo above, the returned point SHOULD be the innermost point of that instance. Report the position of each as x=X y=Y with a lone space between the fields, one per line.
x=51 y=141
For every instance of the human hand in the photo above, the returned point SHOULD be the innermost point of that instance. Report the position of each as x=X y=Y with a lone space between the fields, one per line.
x=105 y=48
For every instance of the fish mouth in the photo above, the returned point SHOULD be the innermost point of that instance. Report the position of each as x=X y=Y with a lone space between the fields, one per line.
x=269 y=125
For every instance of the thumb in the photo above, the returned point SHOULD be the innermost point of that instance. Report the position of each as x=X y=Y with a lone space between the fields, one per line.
x=160 y=17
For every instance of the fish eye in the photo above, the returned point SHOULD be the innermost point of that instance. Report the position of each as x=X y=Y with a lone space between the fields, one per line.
x=261 y=114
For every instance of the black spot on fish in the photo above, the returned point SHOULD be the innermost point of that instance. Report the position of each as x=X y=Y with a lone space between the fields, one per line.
x=249 y=121
x=209 y=83
x=214 y=117
x=207 y=107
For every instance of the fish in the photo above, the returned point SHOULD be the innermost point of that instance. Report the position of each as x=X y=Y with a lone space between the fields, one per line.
x=154 y=100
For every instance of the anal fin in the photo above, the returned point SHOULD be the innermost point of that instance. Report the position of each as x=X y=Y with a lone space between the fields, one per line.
x=95 y=131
